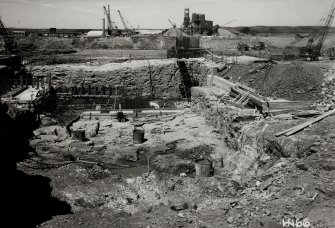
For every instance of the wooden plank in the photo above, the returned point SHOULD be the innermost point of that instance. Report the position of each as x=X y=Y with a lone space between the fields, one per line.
x=245 y=87
x=293 y=105
x=284 y=131
x=306 y=124
x=221 y=82
x=254 y=98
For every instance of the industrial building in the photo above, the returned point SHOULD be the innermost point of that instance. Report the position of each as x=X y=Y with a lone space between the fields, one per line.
x=198 y=24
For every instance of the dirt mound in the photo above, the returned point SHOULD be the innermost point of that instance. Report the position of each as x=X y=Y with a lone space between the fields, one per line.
x=47 y=42
x=152 y=42
x=292 y=82
x=115 y=43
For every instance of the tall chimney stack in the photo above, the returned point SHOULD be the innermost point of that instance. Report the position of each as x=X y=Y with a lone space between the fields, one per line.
x=103 y=28
x=186 y=17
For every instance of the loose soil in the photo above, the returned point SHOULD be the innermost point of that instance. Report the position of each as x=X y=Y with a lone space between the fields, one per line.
x=292 y=82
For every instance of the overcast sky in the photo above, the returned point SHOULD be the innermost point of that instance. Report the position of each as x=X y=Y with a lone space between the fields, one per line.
x=155 y=13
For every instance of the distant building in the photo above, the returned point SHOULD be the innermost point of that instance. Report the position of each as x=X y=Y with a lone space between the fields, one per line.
x=198 y=24
x=53 y=30
x=20 y=33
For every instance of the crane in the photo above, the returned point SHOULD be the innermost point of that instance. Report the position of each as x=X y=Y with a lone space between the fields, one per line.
x=111 y=27
x=315 y=43
x=122 y=19
x=10 y=44
x=228 y=22
x=173 y=24
x=109 y=21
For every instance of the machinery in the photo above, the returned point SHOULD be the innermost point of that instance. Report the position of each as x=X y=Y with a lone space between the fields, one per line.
x=112 y=29
x=126 y=31
x=216 y=27
x=173 y=24
x=259 y=46
x=10 y=45
x=123 y=22
x=243 y=47
x=197 y=24
x=312 y=50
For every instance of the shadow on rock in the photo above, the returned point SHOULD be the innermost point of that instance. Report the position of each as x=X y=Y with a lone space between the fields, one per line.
x=31 y=202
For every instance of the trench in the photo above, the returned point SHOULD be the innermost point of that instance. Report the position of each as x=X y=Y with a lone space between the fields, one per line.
x=149 y=88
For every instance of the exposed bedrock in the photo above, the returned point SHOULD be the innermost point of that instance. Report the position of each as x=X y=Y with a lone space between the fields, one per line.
x=252 y=138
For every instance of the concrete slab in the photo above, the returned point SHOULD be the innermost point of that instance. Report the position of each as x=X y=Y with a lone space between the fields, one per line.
x=27 y=95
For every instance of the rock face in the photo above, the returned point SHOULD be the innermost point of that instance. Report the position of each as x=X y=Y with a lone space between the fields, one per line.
x=161 y=77
x=256 y=148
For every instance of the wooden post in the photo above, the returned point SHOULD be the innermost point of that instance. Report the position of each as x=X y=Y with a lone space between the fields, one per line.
x=49 y=81
x=115 y=97
x=42 y=83
x=37 y=83
x=148 y=164
x=21 y=81
x=82 y=89
x=211 y=83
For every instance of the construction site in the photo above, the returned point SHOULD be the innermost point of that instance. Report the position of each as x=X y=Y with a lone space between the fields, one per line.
x=199 y=125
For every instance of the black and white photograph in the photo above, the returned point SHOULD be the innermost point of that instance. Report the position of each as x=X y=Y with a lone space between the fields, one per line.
x=167 y=113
